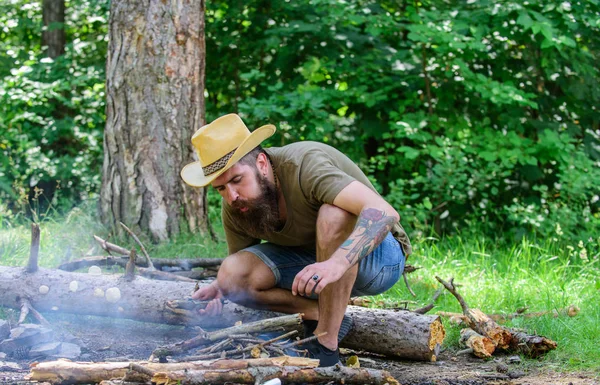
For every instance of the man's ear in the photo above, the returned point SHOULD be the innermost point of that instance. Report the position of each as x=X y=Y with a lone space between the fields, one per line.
x=261 y=163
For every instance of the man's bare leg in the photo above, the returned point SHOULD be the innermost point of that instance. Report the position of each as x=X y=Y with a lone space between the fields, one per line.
x=246 y=279
x=334 y=226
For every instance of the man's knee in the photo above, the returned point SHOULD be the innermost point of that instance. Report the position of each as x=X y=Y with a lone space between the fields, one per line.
x=333 y=224
x=241 y=274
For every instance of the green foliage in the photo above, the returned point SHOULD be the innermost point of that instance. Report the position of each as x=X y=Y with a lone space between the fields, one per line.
x=51 y=111
x=469 y=112
x=479 y=112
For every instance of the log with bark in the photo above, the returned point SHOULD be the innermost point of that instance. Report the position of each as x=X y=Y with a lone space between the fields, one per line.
x=480 y=346
x=501 y=337
x=89 y=372
x=395 y=333
x=287 y=374
x=159 y=263
x=478 y=321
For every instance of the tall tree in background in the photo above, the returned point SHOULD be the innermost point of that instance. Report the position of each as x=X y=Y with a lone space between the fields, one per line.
x=53 y=36
x=155 y=101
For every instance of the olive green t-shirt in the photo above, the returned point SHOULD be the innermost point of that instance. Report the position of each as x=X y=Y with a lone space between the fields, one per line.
x=310 y=174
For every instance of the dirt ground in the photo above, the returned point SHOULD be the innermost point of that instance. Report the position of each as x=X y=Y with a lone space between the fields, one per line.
x=104 y=339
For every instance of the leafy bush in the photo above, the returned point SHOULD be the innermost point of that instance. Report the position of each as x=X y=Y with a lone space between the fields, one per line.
x=51 y=111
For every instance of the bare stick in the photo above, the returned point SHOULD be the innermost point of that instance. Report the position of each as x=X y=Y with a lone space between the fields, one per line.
x=29 y=309
x=410 y=290
x=135 y=238
x=130 y=267
x=141 y=369
x=24 y=311
x=249 y=348
x=426 y=309
x=271 y=324
x=570 y=311
x=32 y=266
x=452 y=289
x=111 y=247
x=303 y=341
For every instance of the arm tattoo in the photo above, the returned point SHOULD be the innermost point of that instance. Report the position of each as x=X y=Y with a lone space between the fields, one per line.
x=371 y=229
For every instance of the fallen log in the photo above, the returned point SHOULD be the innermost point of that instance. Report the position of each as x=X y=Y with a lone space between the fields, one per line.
x=287 y=374
x=159 y=263
x=481 y=346
x=396 y=333
x=89 y=372
x=478 y=321
x=531 y=345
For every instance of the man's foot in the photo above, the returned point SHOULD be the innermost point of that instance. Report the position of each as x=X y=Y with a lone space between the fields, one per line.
x=326 y=357
x=345 y=327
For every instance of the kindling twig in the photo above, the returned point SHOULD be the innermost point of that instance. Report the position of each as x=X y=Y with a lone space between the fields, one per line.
x=302 y=341
x=135 y=238
x=427 y=308
x=130 y=267
x=26 y=309
x=32 y=265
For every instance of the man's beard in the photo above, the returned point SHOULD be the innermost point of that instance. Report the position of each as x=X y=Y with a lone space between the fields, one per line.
x=262 y=216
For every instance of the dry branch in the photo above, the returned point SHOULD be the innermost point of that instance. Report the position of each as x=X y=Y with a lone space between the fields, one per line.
x=279 y=323
x=570 y=311
x=26 y=309
x=32 y=265
x=111 y=247
x=478 y=321
x=426 y=309
x=137 y=240
x=130 y=267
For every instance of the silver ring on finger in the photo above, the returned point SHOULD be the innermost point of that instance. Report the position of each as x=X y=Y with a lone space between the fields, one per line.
x=315 y=277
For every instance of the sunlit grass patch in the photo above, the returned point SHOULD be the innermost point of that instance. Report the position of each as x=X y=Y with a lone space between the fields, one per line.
x=61 y=238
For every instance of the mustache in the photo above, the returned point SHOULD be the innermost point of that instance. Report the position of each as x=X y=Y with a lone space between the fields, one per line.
x=239 y=203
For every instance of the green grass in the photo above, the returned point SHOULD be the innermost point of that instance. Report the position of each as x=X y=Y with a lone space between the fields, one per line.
x=495 y=276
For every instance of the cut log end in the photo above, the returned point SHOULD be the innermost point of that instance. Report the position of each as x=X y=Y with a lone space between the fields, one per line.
x=481 y=346
x=437 y=335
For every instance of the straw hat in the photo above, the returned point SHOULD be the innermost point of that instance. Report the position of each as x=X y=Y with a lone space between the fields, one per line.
x=219 y=146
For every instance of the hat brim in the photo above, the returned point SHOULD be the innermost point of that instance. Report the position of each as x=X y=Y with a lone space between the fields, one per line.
x=193 y=175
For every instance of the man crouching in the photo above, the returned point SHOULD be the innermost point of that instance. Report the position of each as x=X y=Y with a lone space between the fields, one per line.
x=327 y=233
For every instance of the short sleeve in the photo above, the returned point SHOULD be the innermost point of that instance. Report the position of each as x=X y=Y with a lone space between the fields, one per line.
x=321 y=179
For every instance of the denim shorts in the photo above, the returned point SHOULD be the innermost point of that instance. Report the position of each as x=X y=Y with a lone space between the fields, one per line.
x=377 y=272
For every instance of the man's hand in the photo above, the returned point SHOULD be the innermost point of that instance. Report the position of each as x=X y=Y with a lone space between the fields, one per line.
x=213 y=294
x=325 y=272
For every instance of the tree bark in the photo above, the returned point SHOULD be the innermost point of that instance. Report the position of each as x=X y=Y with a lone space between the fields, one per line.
x=53 y=35
x=89 y=372
x=400 y=334
x=288 y=374
x=155 y=102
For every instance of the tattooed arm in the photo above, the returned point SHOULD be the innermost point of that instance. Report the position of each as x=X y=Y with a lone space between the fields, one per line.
x=372 y=226
x=375 y=219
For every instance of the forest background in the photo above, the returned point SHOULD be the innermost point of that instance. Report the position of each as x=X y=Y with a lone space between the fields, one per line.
x=475 y=119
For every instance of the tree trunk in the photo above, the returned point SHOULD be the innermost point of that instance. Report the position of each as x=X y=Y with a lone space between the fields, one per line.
x=53 y=35
x=400 y=334
x=155 y=102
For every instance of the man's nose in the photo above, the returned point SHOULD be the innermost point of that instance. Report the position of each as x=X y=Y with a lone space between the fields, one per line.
x=232 y=194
